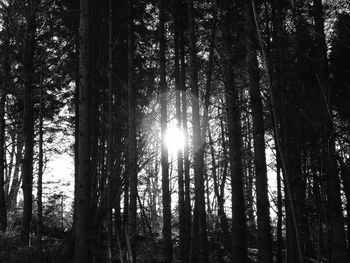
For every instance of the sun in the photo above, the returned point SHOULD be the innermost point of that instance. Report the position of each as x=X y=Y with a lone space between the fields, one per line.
x=174 y=139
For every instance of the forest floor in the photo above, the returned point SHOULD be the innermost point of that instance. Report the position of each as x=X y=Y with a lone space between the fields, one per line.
x=148 y=249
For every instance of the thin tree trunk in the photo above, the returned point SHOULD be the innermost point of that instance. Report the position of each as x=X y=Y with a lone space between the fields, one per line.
x=40 y=172
x=263 y=204
x=239 y=249
x=168 y=248
x=132 y=150
x=10 y=164
x=83 y=181
x=27 y=168
x=4 y=183
x=220 y=198
x=281 y=148
x=199 y=231
x=180 y=160
x=16 y=180
x=3 y=209
x=110 y=132
x=279 y=237
x=185 y=151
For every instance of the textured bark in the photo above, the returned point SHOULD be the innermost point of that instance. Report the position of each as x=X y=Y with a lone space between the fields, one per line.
x=199 y=227
x=82 y=228
x=28 y=129
x=263 y=204
x=168 y=248
x=239 y=249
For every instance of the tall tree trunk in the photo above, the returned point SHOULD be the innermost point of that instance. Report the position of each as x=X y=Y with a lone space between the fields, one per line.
x=187 y=190
x=180 y=160
x=335 y=212
x=83 y=181
x=279 y=237
x=4 y=183
x=239 y=249
x=199 y=231
x=225 y=240
x=132 y=150
x=110 y=132
x=40 y=171
x=164 y=151
x=16 y=179
x=263 y=204
x=280 y=142
x=3 y=209
x=27 y=168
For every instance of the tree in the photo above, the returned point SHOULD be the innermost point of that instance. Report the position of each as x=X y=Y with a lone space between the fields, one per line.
x=239 y=249
x=263 y=204
x=164 y=150
x=199 y=228
x=3 y=210
x=335 y=214
x=132 y=146
x=28 y=75
x=82 y=229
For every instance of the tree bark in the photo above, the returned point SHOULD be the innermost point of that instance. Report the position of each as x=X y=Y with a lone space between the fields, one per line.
x=187 y=190
x=3 y=209
x=239 y=243
x=83 y=181
x=335 y=212
x=168 y=248
x=28 y=129
x=40 y=172
x=263 y=204
x=110 y=132
x=279 y=237
x=180 y=160
x=132 y=147
x=199 y=227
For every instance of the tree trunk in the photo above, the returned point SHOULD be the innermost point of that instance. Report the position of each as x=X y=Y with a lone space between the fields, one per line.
x=16 y=180
x=3 y=209
x=4 y=183
x=180 y=160
x=83 y=181
x=110 y=132
x=187 y=190
x=225 y=240
x=279 y=237
x=335 y=212
x=239 y=249
x=168 y=248
x=132 y=150
x=263 y=204
x=199 y=231
x=40 y=171
x=281 y=144
x=28 y=129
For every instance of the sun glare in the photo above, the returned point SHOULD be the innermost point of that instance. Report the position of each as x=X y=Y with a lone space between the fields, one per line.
x=174 y=139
